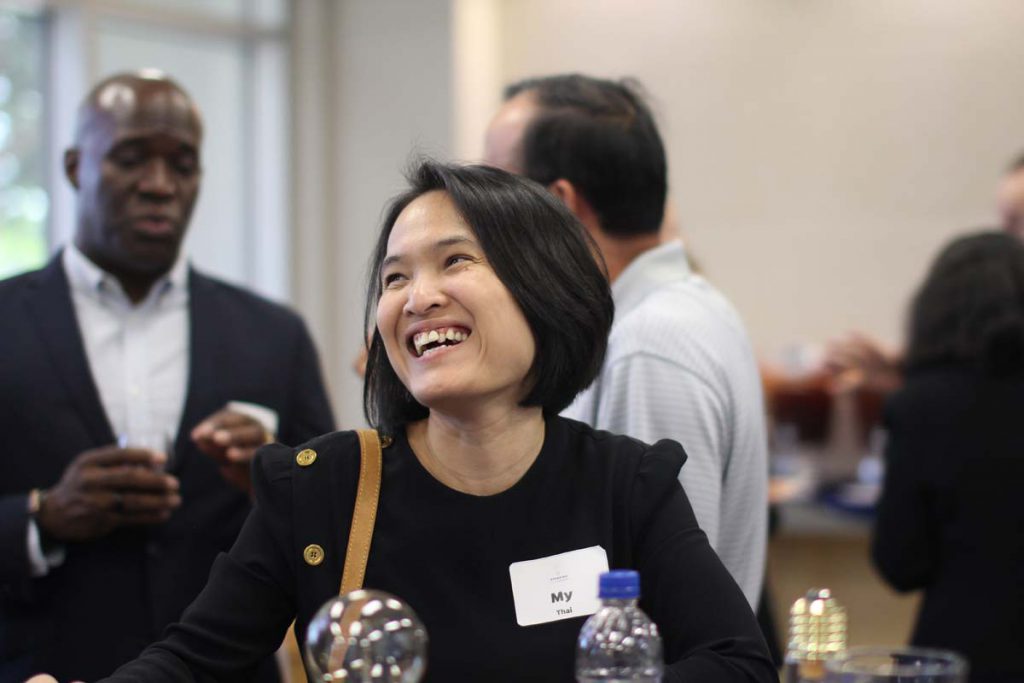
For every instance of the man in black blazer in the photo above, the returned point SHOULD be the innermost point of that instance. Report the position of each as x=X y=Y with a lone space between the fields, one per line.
x=107 y=537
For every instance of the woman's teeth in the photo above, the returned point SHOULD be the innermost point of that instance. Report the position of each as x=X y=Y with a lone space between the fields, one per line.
x=425 y=342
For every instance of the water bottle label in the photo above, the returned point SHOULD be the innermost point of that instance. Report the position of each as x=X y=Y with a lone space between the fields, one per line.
x=561 y=586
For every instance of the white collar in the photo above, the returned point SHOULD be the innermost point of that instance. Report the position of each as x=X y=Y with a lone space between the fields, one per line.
x=86 y=277
x=664 y=263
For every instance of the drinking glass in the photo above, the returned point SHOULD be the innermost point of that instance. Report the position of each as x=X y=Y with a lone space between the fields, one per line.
x=160 y=442
x=896 y=665
x=366 y=636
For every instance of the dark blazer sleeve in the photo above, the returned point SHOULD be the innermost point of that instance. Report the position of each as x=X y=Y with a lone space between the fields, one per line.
x=14 y=562
x=904 y=545
x=44 y=409
x=309 y=410
x=249 y=601
x=709 y=632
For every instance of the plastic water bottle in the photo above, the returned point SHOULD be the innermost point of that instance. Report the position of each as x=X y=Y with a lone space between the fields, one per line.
x=619 y=642
x=817 y=633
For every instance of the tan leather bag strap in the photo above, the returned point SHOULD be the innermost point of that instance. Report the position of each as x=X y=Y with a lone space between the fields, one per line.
x=365 y=512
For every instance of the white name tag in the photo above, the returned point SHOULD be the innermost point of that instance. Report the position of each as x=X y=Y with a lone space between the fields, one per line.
x=557 y=587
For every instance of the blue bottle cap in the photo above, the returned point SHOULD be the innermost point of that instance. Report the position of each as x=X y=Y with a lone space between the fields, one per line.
x=620 y=584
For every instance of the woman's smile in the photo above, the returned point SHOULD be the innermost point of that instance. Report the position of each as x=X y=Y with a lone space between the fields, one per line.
x=426 y=343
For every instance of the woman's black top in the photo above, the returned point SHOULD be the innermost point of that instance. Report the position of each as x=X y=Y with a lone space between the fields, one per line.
x=951 y=517
x=447 y=554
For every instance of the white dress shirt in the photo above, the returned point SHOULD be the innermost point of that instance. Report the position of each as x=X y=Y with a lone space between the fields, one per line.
x=138 y=356
x=680 y=366
x=138 y=353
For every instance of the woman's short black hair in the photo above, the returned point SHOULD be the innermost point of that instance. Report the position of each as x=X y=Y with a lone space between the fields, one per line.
x=540 y=252
x=970 y=309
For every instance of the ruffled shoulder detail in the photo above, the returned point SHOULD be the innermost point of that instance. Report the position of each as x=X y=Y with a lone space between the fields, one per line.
x=656 y=478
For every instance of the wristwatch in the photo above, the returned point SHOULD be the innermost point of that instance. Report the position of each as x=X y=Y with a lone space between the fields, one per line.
x=35 y=502
x=36 y=498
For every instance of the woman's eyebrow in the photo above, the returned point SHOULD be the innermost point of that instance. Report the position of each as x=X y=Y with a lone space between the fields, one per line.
x=452 y=241
x=439 y=245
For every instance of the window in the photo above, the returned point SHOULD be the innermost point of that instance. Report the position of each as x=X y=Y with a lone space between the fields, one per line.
x=24 y=202
x=231 y=55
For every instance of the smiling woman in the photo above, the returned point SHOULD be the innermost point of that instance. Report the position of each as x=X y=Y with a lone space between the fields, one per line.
x=491 y=314
x=437 y=280
x=483 y=228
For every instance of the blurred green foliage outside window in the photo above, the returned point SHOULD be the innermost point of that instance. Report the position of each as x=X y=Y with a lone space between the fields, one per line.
x=24 y=202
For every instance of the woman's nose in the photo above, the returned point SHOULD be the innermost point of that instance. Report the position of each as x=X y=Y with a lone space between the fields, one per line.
x=424 y=294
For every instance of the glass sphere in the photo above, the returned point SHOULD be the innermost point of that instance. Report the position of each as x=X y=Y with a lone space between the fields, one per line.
x=366 y=636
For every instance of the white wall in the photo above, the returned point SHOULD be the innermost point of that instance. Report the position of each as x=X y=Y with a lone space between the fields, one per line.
x=819 y=152
x=392 y=87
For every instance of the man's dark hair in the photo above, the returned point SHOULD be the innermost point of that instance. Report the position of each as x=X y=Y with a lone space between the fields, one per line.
x=1016 y=165
x=970 y=309
x=545 y=258
x=599 y=135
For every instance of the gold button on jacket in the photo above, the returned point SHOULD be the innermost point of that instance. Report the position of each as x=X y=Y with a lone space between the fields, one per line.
x=306 y=457
x=313 y=554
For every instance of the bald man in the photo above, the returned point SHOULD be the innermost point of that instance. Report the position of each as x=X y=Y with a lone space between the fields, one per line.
x=134 y=391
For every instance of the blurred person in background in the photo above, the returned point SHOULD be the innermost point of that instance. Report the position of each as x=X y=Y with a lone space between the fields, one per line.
x=135 y=391
x=679 y=365
x=858 y=361
x=950 y=520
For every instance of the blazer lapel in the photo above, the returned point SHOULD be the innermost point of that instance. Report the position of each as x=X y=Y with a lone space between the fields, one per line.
x=51 y=310
x=202 y=353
